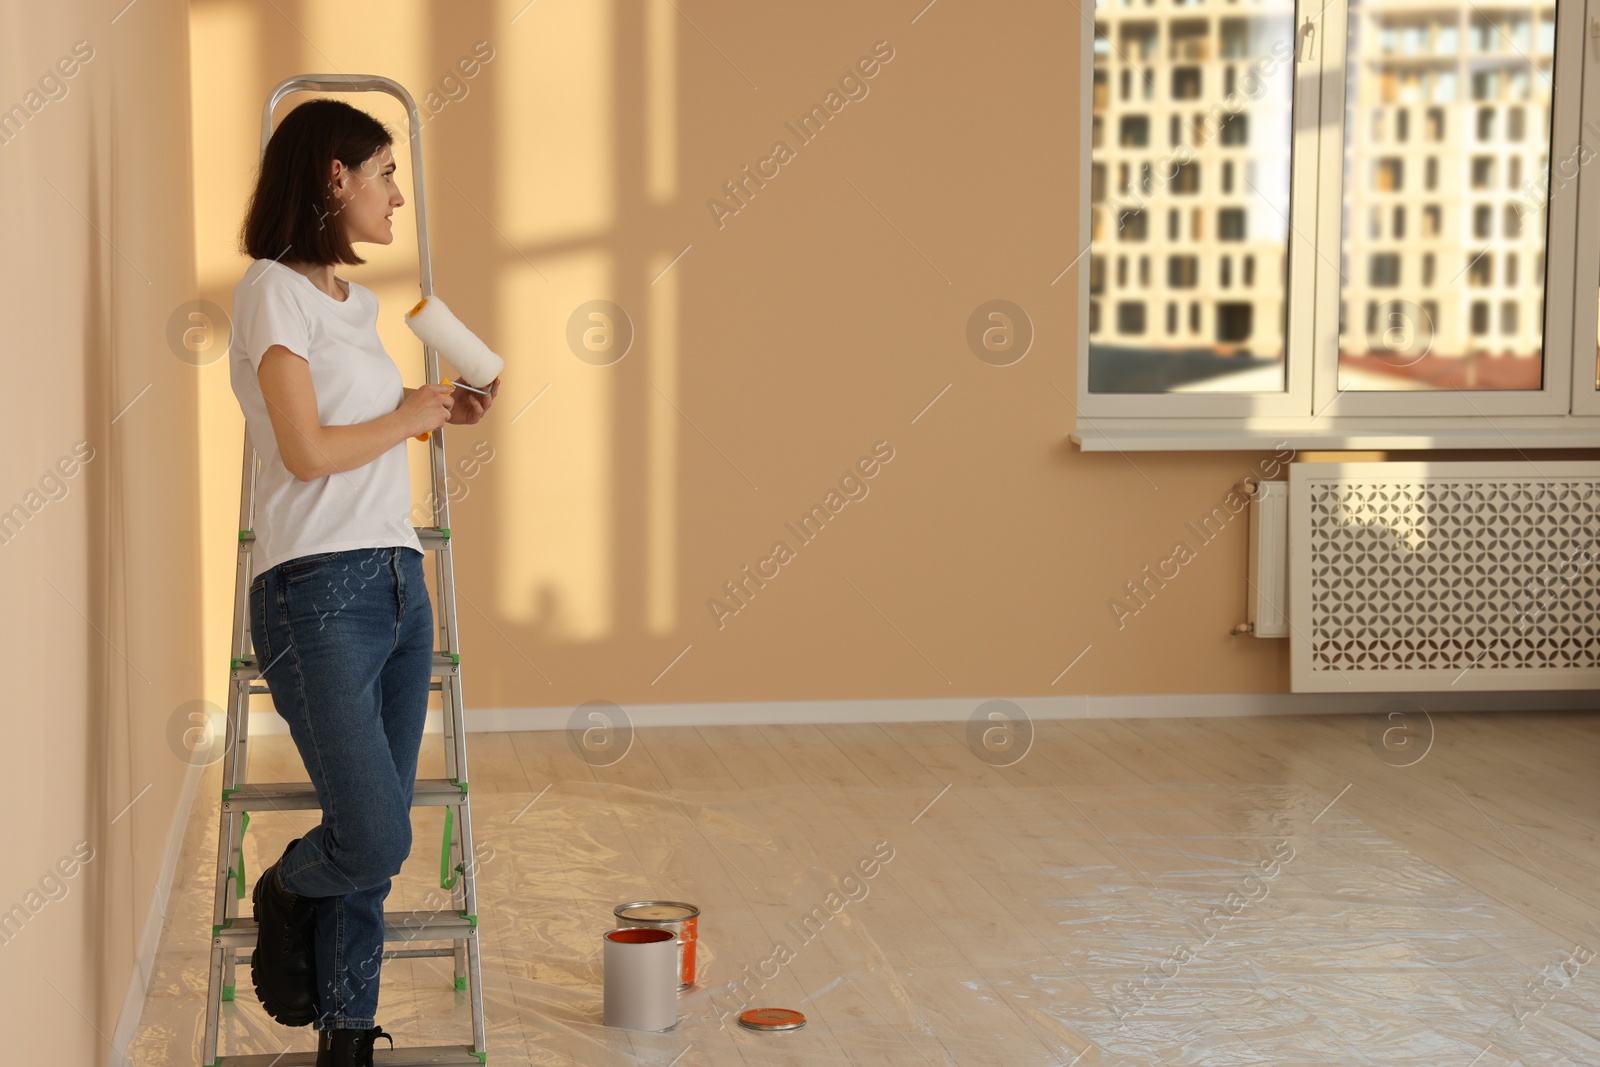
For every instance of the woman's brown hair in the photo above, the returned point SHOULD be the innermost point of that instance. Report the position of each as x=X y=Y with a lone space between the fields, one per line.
x=293 y=208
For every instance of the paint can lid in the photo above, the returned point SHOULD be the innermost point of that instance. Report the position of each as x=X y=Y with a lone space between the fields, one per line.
x=656 y=911
x=771 y=1019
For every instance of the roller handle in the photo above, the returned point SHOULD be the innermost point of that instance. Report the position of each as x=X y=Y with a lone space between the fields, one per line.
x=424 y=435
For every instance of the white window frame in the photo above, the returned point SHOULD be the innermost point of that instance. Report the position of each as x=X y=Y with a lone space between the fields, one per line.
x=1311 y=411
x=1586 y=275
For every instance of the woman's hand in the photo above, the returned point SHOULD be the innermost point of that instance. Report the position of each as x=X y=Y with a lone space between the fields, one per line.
x=426 y=408
x=471 y=407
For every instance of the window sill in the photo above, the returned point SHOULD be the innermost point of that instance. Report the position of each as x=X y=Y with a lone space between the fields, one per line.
x=1362 y=434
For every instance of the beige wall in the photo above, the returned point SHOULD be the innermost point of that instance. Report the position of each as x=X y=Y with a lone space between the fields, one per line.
x=101 y=626
x=820 y=319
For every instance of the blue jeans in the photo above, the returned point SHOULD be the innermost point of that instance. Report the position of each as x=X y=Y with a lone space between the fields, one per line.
x=347 y=643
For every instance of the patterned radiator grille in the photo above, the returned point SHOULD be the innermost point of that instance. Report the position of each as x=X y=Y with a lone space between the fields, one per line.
x=1454 y=575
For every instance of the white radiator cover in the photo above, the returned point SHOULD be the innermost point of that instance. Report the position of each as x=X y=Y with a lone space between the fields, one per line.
x=1444 y=576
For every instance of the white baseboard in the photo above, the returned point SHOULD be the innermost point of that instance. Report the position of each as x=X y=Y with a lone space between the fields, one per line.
x=959 y=709
x=150 y=937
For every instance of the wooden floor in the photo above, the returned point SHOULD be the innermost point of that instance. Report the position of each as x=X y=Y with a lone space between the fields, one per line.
x=1191 y=891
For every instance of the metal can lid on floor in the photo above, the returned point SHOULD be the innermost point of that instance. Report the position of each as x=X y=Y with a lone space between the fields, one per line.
x=771 y=1019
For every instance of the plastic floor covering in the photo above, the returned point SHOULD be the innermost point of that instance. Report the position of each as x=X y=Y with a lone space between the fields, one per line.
x=1010 y=926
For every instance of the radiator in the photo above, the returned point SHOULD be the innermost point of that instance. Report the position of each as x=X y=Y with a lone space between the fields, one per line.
x=1268 y=565
x=1444 y=576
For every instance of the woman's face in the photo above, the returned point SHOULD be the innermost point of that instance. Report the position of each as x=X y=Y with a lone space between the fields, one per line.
x=368 y=195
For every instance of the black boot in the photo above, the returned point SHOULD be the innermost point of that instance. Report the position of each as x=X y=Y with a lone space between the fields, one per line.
x=348 y=1048
x=282 y=967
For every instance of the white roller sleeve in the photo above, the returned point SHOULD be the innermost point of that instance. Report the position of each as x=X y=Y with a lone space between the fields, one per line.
x=433 y=322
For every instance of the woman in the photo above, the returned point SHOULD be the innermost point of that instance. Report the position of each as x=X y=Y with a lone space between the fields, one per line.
x=339 y=615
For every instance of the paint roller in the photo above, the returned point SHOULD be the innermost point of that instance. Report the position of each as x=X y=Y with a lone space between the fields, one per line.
x=440 y=330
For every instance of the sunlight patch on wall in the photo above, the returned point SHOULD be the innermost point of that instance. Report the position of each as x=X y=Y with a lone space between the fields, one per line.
x=554 y=476
x=661 y=101
x=386 y=39
x=556 y=87
x=662 y=549
x=225 y=113
x=224 y=38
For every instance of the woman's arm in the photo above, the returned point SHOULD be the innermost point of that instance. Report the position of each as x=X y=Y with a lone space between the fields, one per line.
x=311 y=450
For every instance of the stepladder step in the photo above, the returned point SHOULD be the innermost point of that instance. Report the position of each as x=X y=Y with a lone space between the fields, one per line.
x=300 y=796
x=248 y=669
x=422 y=1056
x=397 y=926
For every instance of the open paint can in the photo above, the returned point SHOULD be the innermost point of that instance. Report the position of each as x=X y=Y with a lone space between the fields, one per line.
x=641 y=970
x=680 y=919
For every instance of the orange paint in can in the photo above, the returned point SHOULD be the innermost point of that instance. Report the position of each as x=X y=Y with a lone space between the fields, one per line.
x=682 y=920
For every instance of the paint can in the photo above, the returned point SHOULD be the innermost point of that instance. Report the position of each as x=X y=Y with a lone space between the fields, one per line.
x=681 y=919
x=641 y=970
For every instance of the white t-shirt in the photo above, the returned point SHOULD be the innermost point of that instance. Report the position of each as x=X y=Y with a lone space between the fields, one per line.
x=355 y=382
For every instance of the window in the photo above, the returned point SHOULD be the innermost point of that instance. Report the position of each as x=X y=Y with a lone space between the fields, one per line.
x=1233 y=323
x=1480 y=317
x=1482 y=172
x=1404 y=187
x=1389 y=175
x=1483 y=221
x=1231 y=224
x=1130 y=317
x=1186 y=178
x=1383 y=270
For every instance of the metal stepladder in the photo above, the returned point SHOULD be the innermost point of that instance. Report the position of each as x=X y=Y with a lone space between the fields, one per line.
x=232 y=936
